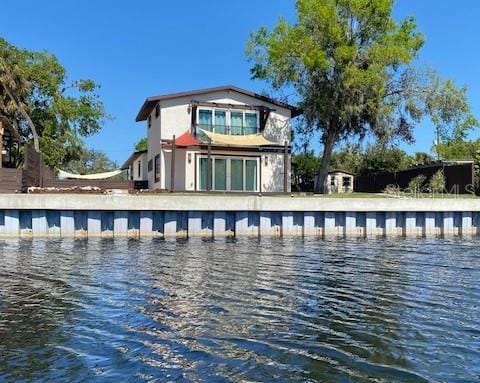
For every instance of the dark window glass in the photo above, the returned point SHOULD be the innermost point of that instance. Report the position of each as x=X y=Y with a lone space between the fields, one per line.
x=157 y=168
x=150 y=165
x=157 y=111
x=149 y=121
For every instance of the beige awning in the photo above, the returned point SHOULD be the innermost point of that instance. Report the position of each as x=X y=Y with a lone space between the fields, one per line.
x=246 y=140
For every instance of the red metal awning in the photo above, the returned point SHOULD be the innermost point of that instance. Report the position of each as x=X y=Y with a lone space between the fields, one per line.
x=184 y=141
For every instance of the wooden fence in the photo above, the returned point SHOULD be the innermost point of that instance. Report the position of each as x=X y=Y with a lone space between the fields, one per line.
x=35 y=173
x=10 y=180
x=459 y=178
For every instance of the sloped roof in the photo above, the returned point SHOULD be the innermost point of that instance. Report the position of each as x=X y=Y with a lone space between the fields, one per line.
x=341 y=171
x=150 y=102
x=186 y=139
x=132 y=158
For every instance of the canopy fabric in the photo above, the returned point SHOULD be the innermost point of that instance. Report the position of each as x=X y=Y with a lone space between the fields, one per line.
x=246 y=140
x=96 y=176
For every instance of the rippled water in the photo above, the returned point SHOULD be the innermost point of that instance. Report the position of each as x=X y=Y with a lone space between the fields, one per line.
x=247 y=311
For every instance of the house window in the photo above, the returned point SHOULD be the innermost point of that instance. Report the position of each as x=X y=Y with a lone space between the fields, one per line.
x=139 y=169
x=251 y=123
x=236 y=123
x=149 y=122
x=150 y=165
x=220 y=124
x=346 y=182
x=157 y=168
x=225 y=121
x=157 y=110
x=229 y=174
x=205 y=120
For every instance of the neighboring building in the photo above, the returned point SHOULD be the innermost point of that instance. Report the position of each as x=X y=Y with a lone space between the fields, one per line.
x=338 y=181
x=136 y=166
x=246 y=136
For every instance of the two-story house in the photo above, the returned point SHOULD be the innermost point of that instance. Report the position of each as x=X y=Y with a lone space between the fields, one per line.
x=218 y=139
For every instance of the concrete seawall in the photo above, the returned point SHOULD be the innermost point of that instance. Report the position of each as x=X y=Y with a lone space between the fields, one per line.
x=170 y=215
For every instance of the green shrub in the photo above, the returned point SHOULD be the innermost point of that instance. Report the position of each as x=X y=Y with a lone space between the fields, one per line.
x=416 y=183
x=437 y=182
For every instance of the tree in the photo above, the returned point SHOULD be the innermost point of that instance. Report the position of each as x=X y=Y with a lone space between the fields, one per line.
x=304 y=168
x=142 y=144
x=458 y=150
x=421 y=158
x=381 y=159
x=44 y=106
x=349 y=158
x=375 y=158
x=349 y=64
x=91 y=161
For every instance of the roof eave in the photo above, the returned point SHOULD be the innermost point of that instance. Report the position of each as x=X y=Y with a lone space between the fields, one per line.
x=142 y=114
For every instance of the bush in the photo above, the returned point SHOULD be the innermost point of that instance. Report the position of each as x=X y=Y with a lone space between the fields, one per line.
x=416 y=183
x=437 y=182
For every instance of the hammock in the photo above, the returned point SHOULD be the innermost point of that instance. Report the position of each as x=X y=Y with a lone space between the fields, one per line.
x=96 y=176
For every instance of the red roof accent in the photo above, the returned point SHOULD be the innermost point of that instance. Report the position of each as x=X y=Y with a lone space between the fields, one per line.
x=186 y=139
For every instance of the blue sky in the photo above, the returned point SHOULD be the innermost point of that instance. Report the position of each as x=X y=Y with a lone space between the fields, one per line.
x=143 y=48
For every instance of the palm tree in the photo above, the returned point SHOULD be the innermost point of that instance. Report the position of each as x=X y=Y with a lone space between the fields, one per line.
x=14 y=90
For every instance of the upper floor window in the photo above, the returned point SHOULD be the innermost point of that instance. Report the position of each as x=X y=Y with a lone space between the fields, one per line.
x=157 y=110
x=149 y=121
x=224 y=121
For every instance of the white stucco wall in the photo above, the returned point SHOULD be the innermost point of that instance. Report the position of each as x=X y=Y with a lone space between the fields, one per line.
x=186 y=177
x=142 y=160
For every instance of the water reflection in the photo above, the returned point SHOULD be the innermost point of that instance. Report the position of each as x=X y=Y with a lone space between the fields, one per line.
x=247 y=310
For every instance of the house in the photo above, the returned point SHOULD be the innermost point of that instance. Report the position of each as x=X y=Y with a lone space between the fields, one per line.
x=136 y=166
x=245 y=135
x=339 y=181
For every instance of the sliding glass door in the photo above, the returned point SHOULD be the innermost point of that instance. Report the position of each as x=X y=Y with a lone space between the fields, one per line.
x=251 y=175
x=229 y=174
x=220 y=174
x=236 y=175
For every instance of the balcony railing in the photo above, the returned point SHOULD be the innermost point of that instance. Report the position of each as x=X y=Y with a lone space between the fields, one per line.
x=223 y=129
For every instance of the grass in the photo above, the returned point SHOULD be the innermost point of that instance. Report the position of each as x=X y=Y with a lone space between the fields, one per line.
x=401 y=196
x=355 y=195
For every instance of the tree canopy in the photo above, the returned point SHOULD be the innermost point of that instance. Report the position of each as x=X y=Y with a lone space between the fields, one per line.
x=40 y=101
x=142 y=144
x=91 y=161
x=349 y=64
x=459 y=150
x=373 y=159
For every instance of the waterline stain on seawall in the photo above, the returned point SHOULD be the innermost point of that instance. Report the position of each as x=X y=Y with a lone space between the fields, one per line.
x=218 y=224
